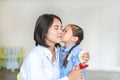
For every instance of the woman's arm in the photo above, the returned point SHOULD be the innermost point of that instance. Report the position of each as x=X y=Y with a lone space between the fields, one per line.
x=33 y=68
x=76 y=73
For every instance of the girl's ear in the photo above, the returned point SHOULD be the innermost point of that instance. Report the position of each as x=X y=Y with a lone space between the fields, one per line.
x=74 y=38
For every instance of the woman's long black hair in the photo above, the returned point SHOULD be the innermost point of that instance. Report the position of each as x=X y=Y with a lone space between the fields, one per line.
x=43 y=23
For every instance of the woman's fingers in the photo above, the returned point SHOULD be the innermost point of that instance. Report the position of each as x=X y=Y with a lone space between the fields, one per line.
x=76 y=73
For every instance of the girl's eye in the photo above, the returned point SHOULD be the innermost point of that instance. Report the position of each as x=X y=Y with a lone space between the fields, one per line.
x=65 y=31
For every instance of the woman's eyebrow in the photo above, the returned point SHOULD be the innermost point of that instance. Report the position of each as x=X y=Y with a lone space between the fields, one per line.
x=57 y=26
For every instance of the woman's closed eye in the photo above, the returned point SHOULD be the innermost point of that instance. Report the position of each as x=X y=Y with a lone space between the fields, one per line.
x=56 y=28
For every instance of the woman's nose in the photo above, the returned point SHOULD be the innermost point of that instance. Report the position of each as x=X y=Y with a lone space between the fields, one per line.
x=60 y=31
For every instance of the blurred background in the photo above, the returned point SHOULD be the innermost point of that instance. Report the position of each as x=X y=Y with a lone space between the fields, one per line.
x=100 y=20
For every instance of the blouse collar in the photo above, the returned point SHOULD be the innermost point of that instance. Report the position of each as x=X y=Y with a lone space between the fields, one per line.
x=47 y=52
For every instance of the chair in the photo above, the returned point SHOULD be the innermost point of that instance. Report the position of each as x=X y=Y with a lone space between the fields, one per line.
x=18 y=76
x=12 y=62
x=3 y=57
x=21 y=55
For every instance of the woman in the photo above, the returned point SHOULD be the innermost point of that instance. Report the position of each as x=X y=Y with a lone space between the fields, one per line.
x=42 y=63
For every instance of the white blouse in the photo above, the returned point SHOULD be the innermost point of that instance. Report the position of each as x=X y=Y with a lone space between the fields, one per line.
x=38 y=65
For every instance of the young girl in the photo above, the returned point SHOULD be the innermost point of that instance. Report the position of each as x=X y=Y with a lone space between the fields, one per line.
x=69 y=54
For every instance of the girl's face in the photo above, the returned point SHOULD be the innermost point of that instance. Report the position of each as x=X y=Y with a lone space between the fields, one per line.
x=67 y=34
x=54 y=34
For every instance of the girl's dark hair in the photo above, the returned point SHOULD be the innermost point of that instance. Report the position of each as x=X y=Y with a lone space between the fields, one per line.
x=77 y=31
x=43 y=23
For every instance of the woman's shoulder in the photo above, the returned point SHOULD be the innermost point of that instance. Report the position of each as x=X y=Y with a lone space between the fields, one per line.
x=35 y=51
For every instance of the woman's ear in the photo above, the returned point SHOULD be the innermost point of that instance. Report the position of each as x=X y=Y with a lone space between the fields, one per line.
x=74 y=38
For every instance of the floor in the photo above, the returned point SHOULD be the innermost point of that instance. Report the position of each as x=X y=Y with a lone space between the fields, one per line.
x=103 y=75
x=91 y=75
x=8 y=74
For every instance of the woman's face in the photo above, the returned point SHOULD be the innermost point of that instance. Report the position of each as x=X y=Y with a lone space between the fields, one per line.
x=67 y=34
x=54 y=34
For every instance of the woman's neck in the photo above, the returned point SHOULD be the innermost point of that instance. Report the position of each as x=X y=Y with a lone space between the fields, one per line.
x=51 y=45
x=52 y=50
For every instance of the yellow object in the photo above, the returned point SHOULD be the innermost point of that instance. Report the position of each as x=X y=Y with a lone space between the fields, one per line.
x=18 y=76
x=21 y=55
x=3 y=57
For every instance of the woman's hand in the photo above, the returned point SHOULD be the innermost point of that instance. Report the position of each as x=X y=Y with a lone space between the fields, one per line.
x=76 y=73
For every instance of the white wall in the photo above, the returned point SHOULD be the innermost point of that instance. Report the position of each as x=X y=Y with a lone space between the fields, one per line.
x=99 y=19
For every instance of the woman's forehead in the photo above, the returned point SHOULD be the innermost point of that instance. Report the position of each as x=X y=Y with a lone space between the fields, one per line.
x=57 y=23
